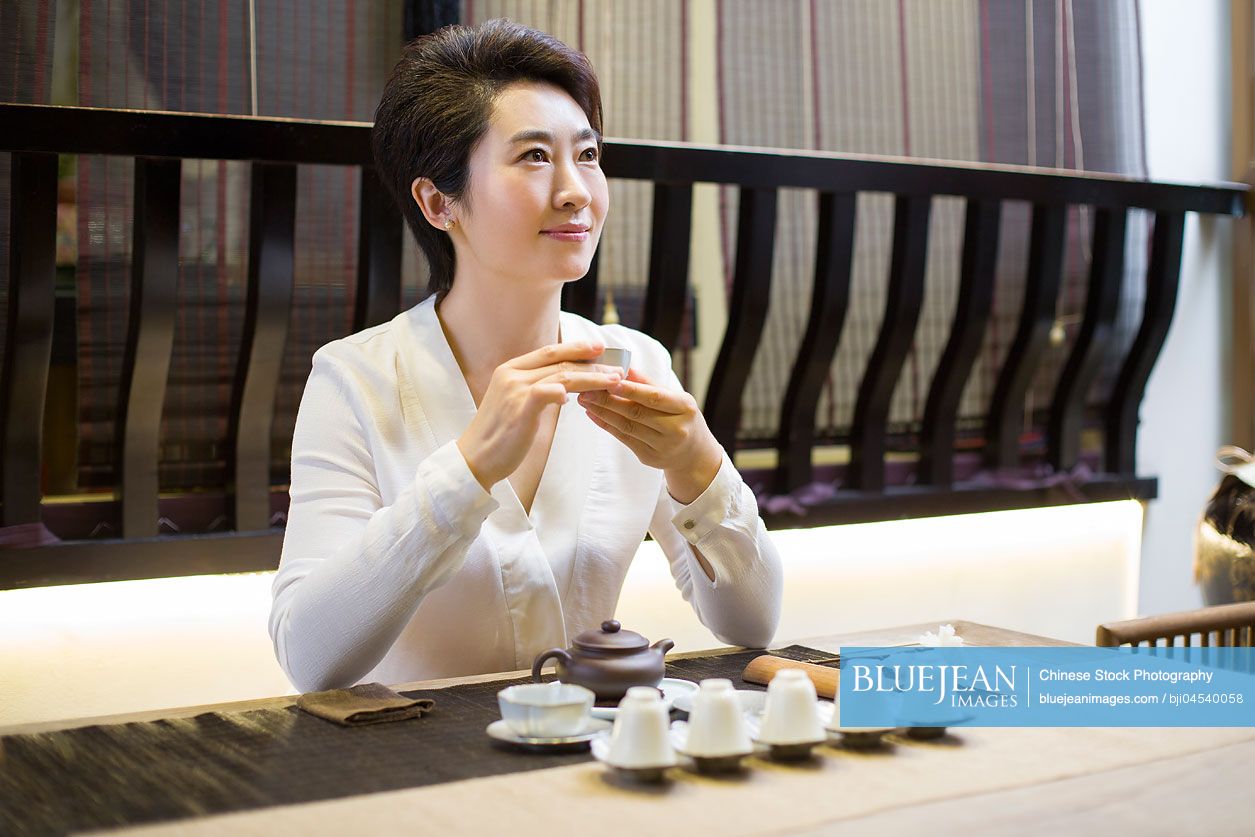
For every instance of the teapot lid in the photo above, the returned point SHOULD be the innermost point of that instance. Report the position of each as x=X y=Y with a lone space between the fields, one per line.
x=611 y=637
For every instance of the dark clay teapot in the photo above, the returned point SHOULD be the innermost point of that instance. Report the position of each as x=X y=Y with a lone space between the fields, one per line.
x=609 y=661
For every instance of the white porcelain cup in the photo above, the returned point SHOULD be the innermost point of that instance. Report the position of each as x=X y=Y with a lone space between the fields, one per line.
x=546 y=710
x=639 y=738
x=716 y=724
x=615 y=357
x=791 y=716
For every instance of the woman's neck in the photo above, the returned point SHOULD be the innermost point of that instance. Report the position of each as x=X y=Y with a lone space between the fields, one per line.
x=487 y=328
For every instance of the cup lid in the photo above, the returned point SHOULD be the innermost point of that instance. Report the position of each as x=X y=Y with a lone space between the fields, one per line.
x=716 y=684
x=611 y=637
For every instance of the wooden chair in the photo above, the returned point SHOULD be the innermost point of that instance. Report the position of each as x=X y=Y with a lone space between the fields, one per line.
x=1231 y=625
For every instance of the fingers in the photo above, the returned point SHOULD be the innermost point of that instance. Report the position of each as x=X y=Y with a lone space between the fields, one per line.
x=639 y=391
x=626 y=417
x=615 y=427
x=573 y=368
x=556 y=353
x=551 y=393
x=580 y=380
x=635 y=374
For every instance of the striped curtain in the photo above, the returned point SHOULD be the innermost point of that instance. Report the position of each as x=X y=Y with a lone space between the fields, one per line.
x=325 y=59
x=1038 y=82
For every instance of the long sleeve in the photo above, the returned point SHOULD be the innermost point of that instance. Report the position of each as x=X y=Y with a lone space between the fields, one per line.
x=741 y=606
x=354 y=571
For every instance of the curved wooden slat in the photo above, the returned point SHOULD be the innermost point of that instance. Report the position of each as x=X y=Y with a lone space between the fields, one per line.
x=1041 y=291
x=903 y=302
x=751 y=295
x=28 y=336
x=378 y=296
x=272 y=227
x=1102 y=302
x=830 y=298
x=967 y=333
x=149 y=341
x=668 y=263
x=1162 y=278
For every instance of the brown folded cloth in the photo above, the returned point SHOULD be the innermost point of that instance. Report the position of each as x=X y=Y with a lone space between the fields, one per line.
x=365 y=703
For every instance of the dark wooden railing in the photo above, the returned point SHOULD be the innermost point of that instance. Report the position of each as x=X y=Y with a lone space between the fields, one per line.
x=159 y=141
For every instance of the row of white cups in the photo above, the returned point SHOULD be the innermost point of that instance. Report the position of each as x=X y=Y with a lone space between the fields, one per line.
x=718 y=734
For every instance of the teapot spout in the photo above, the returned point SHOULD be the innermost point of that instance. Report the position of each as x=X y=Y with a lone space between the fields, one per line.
x=662 y=646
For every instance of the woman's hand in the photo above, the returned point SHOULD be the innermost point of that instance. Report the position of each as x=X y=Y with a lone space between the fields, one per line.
x=664 y=429
x=520 y=392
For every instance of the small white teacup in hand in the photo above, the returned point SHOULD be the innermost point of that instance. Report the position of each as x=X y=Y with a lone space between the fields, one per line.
x=612 y=356
x=716 y=725
x=791 y=716
x=640 y=736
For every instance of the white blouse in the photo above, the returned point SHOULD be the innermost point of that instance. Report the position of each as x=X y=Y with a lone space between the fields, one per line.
x=397 y=565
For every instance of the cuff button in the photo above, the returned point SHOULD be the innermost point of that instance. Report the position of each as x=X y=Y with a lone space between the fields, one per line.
x=688 y=524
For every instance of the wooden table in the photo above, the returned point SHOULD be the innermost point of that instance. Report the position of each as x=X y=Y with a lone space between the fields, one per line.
x=1036 y=780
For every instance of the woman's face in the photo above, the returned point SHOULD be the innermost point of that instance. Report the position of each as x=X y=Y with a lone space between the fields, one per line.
x=537 y=197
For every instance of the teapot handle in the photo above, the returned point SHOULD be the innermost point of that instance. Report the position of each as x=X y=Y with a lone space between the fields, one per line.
x=545 y=656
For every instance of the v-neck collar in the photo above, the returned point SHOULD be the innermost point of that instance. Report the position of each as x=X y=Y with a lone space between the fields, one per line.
x=534 y=580
x=441 y=371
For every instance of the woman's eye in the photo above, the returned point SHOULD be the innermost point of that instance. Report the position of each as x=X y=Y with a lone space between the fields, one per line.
x=590 y=154
x=536 y=155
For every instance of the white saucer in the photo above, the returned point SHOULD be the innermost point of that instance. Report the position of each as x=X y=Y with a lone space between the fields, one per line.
x=825 y=709
x=501 y=731
x=672 y=688
x=790 y=750
x=679 y=735
x=751 y=701
x=601 y=751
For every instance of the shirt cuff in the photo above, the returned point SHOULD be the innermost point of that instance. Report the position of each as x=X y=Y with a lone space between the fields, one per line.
x=712 y=507
x=457 y=498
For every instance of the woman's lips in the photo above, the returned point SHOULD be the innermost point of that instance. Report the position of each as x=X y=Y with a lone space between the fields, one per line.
x=566 y=236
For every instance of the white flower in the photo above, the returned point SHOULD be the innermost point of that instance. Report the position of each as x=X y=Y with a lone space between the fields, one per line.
x=945 y=636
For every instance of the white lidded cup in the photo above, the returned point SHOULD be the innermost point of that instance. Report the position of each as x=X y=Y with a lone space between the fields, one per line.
x=640 y=736
x=716 y=725
x=791 y=715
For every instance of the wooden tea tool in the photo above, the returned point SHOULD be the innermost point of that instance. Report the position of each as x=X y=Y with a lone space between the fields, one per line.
x=761 y=669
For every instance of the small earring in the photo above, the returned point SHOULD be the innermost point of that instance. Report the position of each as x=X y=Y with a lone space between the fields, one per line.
x=448 y=223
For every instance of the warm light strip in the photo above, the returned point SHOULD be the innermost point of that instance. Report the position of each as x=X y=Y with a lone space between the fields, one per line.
x=151 y=601
x=950 y=532
x=166 y=600
x=1054 y=571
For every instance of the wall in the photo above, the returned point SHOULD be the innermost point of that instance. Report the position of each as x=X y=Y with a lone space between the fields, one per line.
x=1185 y=415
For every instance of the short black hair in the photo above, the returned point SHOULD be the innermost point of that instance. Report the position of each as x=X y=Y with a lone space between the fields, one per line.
x=437 y=104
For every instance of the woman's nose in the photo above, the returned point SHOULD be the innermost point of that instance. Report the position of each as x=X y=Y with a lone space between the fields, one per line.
x=570 y=190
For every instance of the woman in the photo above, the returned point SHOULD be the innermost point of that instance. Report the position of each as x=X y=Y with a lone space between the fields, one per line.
x=453 y=509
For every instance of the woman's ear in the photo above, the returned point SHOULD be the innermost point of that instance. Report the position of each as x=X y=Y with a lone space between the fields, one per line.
x=436 y=208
